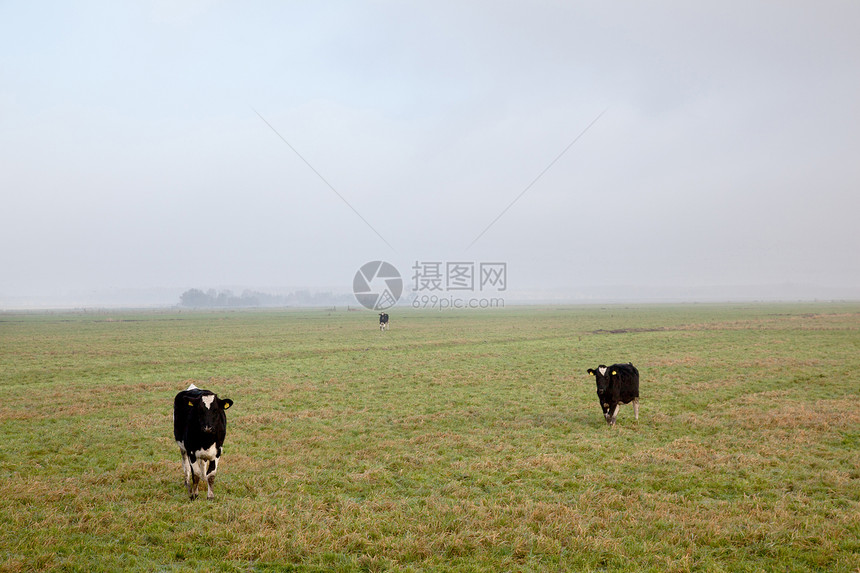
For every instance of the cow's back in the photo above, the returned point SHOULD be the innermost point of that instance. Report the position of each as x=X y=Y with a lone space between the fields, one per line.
x=625 y=382
x=181 y=413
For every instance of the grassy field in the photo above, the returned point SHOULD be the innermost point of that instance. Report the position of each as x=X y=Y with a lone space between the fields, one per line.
x=455 y=441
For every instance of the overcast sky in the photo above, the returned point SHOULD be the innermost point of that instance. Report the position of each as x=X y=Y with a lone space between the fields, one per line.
x=132 y=153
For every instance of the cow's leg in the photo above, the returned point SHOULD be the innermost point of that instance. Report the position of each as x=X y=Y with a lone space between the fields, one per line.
x=186 y=467
x=194 y=485
x=190 y=478
x=210 y=478
x=614 y=414
x=636 y=407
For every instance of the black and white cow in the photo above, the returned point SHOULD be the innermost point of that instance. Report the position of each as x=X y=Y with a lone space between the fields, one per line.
x=199 y=426
x=617 y=384
x=383 y=321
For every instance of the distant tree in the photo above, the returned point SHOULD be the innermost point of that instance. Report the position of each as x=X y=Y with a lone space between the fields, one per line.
x=195 y=298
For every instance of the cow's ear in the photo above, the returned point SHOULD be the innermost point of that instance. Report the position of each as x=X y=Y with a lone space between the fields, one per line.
x=590 y=371
x=226 y=403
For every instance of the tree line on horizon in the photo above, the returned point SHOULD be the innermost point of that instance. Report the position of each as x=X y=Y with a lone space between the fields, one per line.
x=197 y=298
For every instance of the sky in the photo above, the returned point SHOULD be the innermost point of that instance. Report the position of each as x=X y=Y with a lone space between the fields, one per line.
x=594 y=147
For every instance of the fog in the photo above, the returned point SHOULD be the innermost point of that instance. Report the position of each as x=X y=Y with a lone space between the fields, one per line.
x=617 y=150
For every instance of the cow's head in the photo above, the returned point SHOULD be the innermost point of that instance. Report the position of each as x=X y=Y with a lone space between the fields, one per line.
x=603 y=377
x=208 y=409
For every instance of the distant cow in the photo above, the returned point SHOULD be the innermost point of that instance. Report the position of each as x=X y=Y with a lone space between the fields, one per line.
x=199 y=426
x=617 y=384
x=383 y=321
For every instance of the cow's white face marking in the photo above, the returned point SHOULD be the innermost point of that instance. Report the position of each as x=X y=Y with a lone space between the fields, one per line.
x=602 y=370
x=207 y=401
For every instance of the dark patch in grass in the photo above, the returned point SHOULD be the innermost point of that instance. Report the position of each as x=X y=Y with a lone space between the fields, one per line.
x=628 y=330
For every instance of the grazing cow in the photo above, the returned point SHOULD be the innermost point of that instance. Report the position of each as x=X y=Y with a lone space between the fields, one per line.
x=199 y=426
x=617 y=384
x=383 y=321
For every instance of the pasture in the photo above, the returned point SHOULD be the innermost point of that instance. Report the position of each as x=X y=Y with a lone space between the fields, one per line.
x=454 y=441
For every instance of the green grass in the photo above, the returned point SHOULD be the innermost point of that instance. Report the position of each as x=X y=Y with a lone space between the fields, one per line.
x=456 y=441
